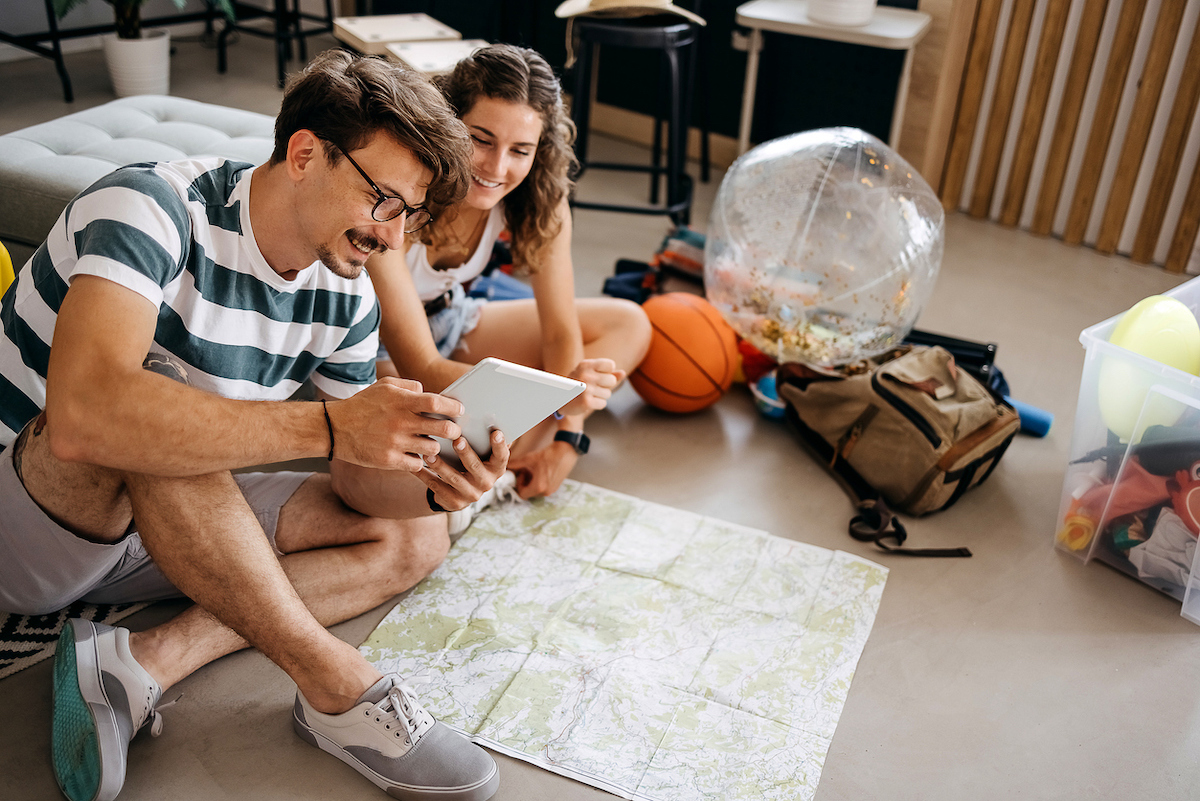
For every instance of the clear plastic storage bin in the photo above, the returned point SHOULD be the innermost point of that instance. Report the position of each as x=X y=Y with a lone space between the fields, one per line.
x=1133 y=501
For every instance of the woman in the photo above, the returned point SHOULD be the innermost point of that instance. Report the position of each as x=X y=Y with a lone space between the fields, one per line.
x=432 y=331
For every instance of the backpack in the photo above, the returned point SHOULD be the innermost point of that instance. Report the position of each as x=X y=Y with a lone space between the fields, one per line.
x=907 y=430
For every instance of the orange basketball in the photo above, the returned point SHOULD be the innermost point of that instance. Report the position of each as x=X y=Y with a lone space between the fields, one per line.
x=693 y=354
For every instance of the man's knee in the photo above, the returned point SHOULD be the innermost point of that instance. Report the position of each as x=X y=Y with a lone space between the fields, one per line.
x=414 y=549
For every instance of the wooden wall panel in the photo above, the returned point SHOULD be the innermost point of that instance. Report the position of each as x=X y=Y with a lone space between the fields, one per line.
x=1154 y=75
x=1183 y=111
x=1090 y=136
x=1002 y=104
x=1189 y=222
x=1105 y=117
x=1087 y=41
x=939 y=63
x=1053 y=29
x=983 y=37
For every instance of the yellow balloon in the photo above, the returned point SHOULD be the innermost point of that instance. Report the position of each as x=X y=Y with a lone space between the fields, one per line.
x=1163 y=330
x=6 y=269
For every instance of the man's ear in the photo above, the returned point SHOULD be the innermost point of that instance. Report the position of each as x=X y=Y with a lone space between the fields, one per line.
x=304 y=152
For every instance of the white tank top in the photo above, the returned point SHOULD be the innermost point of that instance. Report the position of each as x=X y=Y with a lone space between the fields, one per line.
x=431 y=283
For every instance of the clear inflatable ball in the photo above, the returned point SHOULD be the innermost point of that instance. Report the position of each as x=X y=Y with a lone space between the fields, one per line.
x=823 y=247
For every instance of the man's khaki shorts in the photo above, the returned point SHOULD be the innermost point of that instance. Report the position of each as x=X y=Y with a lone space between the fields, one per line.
x=44 y=567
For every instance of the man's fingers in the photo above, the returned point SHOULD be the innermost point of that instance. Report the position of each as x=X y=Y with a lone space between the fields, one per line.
x=409 y=395
x=407 y=384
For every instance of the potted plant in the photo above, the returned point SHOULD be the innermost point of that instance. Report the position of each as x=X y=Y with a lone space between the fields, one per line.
x=138 y=61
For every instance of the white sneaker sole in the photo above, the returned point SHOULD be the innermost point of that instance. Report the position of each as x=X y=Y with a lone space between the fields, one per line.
x=480 y=791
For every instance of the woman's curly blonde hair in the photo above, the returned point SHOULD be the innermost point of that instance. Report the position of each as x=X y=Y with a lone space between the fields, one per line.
x=519 y=75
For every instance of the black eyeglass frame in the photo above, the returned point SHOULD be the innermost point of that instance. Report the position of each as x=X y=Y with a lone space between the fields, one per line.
x=420 y=215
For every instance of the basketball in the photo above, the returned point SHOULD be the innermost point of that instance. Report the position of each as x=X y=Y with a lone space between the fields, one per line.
x=693 y=354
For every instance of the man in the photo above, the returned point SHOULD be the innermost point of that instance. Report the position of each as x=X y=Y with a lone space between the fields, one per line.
x=115 y=480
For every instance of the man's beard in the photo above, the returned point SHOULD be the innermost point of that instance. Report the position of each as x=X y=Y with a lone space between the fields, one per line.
x=349 y=269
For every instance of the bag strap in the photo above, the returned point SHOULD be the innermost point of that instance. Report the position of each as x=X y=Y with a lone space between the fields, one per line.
x=875 y=523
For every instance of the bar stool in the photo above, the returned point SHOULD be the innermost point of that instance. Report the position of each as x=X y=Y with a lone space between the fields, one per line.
x=288 y=26
x=677 y=40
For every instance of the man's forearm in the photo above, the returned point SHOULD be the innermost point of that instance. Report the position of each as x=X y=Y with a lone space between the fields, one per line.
x=151 y=424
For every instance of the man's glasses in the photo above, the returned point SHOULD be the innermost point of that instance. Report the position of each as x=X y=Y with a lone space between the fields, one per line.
x=389 y=207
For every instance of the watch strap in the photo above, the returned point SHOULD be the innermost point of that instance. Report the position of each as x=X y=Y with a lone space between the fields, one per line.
x=576 y=439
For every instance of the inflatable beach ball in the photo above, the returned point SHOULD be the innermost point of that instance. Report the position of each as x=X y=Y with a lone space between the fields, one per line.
x=823 y=247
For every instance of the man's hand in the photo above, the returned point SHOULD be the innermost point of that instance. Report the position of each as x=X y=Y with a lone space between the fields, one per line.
x=601 y=377
x=387 y=425
x=455 y=489
x=542 y=472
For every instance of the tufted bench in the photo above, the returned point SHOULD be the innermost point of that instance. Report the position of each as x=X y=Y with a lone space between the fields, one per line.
x=44 y=166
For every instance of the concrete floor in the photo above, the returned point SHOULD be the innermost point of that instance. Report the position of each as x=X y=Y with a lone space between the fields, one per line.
x=1019 y=673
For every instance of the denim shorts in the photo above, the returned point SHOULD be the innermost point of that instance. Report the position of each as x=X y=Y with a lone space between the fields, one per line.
x=44 y=567
x=451 y=324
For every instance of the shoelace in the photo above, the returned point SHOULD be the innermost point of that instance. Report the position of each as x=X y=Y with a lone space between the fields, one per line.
x=401 y=703
x=506 y=492
x=155 y=716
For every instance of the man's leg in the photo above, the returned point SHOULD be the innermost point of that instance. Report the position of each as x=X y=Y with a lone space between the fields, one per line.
x=340 y=564
x=206 y=539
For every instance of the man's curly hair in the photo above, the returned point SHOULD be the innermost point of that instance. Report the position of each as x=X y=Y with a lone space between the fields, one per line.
x=346 y=99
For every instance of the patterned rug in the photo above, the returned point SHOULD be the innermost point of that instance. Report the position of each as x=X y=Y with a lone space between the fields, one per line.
x=653 y=653
x=28 y=639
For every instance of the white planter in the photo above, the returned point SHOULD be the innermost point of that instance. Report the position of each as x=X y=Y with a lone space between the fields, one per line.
x=844 y=13
x=139 y=66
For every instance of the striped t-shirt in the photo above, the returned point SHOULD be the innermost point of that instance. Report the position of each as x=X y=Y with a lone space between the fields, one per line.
x=178 y=233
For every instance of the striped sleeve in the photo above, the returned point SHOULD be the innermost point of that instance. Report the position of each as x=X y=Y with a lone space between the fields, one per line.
x=132 y=228
x=351 y=368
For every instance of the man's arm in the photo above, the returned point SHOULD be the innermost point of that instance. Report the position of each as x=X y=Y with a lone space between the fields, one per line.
x=104 y=409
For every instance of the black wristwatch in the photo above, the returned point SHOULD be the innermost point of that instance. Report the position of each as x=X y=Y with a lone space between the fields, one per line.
x=576 y=439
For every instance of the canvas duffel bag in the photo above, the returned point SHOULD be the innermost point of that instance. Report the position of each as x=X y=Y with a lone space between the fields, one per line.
x=908 y=430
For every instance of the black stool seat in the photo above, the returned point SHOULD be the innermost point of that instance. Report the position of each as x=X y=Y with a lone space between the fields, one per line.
x=657 y=31
x=676 y=40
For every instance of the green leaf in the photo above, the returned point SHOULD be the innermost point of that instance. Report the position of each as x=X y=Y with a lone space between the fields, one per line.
x=61 y=7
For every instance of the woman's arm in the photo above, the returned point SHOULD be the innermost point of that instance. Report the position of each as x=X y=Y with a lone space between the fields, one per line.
x=404 y=328
x=554 y=292
x=542 y=472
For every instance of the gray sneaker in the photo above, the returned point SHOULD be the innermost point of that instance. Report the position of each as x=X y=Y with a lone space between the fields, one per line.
x=102 y=697
x=389 y=738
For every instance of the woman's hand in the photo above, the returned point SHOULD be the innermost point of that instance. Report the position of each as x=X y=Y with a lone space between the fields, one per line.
x=601 y=377
x=455 y=489
x=542 y=471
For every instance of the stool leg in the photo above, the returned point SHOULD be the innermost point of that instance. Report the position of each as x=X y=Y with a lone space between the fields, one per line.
x=581 y=102
x=56 y=47
x=664 y=86
x=676 y=134
x=222 y=61
x=697 y=62
x=299 y=32
x=283 y=45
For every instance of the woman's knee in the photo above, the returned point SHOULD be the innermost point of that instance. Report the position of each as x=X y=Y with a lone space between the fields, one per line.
x=623 y=326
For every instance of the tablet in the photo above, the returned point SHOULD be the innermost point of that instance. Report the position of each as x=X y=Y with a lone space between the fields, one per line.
x=510 y=397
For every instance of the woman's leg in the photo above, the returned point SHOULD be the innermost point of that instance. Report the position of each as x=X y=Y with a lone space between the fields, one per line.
x=508 y=329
